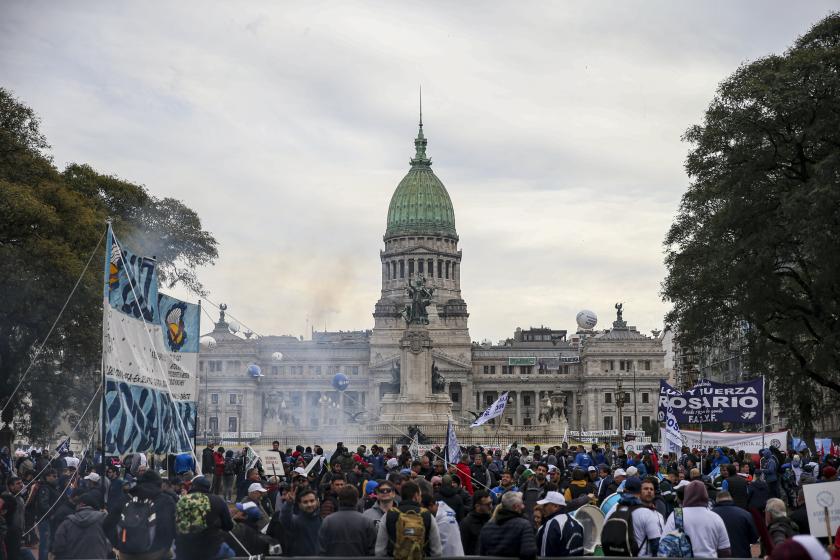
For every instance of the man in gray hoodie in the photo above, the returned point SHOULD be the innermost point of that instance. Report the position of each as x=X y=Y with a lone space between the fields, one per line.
x=81 y=534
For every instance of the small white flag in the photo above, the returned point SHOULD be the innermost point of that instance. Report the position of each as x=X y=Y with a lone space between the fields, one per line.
x=673 y=436
x=453 y=451
x=495 y=409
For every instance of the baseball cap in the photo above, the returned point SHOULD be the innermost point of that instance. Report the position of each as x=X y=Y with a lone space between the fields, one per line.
x=93 y=477
x=632 y=471
x=256 y=487
x=591 y=469
x=553 y=498
x=392 y=463
x=552 y=468
x=250 y=509
x=633 y=485
x=620 y=472
x=300 y=471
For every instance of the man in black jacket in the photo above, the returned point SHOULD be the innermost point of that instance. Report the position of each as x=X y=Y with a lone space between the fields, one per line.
x=300 y=522
x=208 y=463
x=739 y=525
x=81 y=535
x=509 y=533
x=149 y=487
x=386 y=537
x=206 y=543
x=347 y=532
x=474 y=521
x=45 y=498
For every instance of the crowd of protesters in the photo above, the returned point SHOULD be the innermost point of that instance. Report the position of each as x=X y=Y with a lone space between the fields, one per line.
x=378 y=501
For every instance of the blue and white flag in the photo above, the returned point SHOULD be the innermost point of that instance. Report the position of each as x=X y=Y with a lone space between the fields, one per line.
x=453 y=450
x=495 y=409
x=150 y=354
x=63 y=447
x=673 y=437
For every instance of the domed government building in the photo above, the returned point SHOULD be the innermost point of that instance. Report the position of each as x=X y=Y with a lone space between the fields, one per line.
x=558 y=382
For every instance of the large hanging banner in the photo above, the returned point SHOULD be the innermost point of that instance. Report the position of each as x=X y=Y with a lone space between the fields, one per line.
x=709 y=401
x=150 y=355
x=751 y=442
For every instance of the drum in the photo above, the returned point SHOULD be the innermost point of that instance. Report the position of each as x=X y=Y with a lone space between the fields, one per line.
x=609 y=502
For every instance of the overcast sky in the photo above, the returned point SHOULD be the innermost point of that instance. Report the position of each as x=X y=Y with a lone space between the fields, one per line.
x=554 y=126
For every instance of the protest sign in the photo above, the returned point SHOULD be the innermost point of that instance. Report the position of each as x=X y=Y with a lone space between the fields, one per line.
x=820 y=498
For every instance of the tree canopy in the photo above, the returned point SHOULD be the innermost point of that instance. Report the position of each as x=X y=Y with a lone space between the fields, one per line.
x=757 y=236
x=51 y=222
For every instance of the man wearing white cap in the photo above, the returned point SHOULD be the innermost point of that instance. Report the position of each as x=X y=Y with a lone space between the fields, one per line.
x=256 y=493
x=559 y=534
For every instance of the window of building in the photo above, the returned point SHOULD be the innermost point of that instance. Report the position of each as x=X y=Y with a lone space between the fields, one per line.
x=215 y=365
x=232 y=423
x=645 y=398
x=627 y=424
x=456 y=397
x=608 y=398
x=526 y=421
x=608 y=423
x=621 y=365
x=492 y=370
x=354 y=370
x=214 y=424
x=275 y=370
x=440 y=269
x=506 y=369
x=446 y=271
x=526 y=370
x=232 y=398
x=410 y=267
x=214 y=398
x=486 y=369
x=200 y=366
x=526 y=400
x=233 y=365
x=489 y=398
x=402 y=269
x=645 y=421
x=317 y=370
x=420 y=266
x=431 y=268
x=647 y=365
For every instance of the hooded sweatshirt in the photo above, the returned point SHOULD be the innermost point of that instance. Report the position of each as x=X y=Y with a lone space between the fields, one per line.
x=704 y=527
x=81 y=536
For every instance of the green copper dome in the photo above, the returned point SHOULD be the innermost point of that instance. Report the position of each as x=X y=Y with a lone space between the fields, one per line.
x=420 y=205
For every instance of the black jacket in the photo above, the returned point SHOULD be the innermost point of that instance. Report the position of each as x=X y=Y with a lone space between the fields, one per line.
x=346 y=533
x=470 y=531
x=206 y=543
x=81 y=536
x=739 y=526
x=453 y=499
x=164 y=514
x=208 y=463
x=301 y=531
x=509 y=534
x=737 y=487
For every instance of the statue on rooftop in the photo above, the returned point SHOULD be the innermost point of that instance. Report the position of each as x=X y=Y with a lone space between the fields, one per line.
x=420 y=298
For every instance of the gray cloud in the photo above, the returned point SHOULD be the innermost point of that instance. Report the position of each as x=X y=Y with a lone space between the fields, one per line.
x=555 y=127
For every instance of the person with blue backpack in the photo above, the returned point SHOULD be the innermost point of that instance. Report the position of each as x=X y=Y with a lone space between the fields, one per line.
x=632 y=527
x=693 y=530
x=142 y=527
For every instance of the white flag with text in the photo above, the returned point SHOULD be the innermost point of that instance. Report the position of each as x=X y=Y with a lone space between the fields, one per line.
x=495 y=409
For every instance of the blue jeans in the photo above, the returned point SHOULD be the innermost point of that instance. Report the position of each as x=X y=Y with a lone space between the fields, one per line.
x=25 y=554
x=43 y=540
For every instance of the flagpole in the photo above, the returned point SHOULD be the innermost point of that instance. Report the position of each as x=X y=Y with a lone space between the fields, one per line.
x=763 y=412
x=103 y=407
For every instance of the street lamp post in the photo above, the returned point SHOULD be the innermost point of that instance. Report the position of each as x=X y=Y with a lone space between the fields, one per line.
x=620 y=401
x=635 y=400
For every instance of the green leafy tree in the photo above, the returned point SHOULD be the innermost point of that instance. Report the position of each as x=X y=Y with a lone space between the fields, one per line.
x=50 y=224
x=757 y=236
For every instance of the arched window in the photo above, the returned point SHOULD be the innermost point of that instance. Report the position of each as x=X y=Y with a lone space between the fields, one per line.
x=420 y=266
x=410 y=268
x=393 y=270
x=402 y=268
x=447 y=270
x=431 y=268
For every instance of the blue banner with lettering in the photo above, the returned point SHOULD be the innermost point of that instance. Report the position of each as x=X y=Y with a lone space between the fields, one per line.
x=709 y=401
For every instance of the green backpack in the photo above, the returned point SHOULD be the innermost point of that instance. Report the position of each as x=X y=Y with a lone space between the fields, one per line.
x=191 y=513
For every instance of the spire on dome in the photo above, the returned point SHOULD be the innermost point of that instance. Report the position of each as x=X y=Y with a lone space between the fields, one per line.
x=420 y=142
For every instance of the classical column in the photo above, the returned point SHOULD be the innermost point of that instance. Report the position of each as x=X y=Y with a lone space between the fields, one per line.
x=536 y=408
x=305 y=404
x=518 y=403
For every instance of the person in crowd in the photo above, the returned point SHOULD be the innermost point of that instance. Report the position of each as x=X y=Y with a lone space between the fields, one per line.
x=704 y=528
x=12 y=515
x=229 y=473
x=801 y=547
x=143 y=499
x=409 y=508
x=450 y=536
x=509 y=533
x=535 y=488
x=252 y=476
x=647 y=523
x=464 y=474
x=208 y=462
x=347 y=532
x=300 y=522
x=46 y=495
x=329 y=504
x=559 y=534
x=245 y=538
x=198 y=538
x=579 y=486
x=471 y=524
x=739 y=524
x=81 y=534
x=779 y=524
x=385 y=494
x=451 y=496
x=114 y=487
